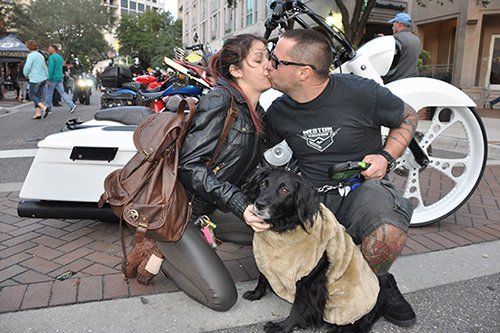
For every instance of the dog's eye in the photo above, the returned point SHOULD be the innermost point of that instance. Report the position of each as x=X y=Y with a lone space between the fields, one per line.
x=263 y=184
x=284 y=191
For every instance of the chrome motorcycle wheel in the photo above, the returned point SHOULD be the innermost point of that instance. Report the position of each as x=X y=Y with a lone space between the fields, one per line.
x=456 y=163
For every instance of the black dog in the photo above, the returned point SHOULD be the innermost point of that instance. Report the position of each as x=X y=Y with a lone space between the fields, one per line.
x=286 y=201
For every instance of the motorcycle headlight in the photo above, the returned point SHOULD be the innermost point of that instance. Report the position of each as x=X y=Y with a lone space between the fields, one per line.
x=84 y=83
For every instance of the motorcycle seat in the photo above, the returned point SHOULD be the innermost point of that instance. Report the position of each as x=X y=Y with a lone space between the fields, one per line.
x=135 y=86
x=126 y=115
x=117 y=95
x=151 y=95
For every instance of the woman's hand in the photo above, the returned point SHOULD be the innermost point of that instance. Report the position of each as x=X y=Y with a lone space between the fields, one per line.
x=255 y=222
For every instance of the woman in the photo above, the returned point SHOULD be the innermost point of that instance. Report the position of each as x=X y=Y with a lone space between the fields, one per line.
x=36 y=71
x=239 y=68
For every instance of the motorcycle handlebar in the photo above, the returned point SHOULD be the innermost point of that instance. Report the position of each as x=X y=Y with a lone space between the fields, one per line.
x=273 y=21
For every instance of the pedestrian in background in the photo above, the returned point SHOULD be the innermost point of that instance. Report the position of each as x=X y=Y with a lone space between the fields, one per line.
x=409 y=48
x=56 y=79
x=36 y=72
x=21 y=80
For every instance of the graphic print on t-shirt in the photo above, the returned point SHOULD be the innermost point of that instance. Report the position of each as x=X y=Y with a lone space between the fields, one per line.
x=319 y=138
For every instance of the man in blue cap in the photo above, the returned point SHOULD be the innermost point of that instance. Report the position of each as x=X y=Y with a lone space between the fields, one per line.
x=407 y=45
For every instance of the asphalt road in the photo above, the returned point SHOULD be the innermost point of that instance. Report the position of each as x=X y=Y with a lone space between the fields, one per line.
x=471 y=306
x=19 y=131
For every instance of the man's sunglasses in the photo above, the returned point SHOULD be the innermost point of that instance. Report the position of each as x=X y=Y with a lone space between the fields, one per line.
x=275 y=62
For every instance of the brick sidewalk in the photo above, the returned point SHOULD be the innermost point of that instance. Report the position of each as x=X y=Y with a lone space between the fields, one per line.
x=34 y=251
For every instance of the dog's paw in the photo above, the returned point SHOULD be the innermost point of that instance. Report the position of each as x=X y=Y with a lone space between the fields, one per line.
x=252 y=295
x=274 y=327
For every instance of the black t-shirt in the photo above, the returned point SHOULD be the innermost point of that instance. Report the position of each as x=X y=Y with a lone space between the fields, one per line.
x=342 y=124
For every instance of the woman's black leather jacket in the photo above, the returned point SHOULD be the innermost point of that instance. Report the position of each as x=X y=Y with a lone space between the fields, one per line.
x=240 y=154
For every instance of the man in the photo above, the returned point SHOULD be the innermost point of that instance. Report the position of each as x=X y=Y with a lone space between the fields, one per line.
x=75 y=71
x=408 y=46
x=136 y=68
x=56 y=79
x=327 y=119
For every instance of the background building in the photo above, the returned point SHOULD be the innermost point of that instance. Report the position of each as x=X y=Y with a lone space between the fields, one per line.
x=463 y=39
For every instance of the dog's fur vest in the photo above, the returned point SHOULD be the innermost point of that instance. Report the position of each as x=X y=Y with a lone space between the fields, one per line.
x=284 y=258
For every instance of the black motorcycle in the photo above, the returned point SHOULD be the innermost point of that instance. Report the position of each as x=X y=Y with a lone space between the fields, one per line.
x=83 y=89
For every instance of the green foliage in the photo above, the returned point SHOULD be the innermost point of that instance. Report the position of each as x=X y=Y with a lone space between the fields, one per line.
x=423 y=60
x=152 y=35
x=77 y=25
x=5 y=10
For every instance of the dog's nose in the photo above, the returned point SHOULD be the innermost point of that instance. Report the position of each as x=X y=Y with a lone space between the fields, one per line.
x=260 y=204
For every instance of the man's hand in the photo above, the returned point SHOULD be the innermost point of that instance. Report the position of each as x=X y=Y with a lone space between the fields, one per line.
x=255 y=222
x=378 y=167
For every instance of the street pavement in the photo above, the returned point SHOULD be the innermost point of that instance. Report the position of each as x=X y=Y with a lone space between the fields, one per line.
x=449 y=270
x=454 y=290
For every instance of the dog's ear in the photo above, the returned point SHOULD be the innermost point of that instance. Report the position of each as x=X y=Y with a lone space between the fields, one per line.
x=307 y=202
x=251 y=187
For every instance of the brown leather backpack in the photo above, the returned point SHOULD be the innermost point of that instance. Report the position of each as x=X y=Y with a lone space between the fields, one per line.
x=146 y=193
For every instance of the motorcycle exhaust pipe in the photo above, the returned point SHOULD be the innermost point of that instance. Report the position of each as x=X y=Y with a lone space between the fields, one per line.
x=64 y=210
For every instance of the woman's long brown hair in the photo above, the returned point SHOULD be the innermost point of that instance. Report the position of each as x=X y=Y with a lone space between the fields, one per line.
x=234 y=51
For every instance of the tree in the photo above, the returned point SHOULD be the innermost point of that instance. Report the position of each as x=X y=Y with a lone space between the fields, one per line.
x=152 y=35
x=5 y=10
x=77 y=25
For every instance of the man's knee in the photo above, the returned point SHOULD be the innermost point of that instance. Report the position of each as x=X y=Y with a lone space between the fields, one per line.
x=382 y=247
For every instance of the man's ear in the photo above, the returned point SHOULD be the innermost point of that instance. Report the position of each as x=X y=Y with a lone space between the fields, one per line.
x=251 y=187
x=304 y=73
x=235 y=72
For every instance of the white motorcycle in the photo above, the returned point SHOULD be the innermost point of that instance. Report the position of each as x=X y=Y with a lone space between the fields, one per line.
x=67 y=174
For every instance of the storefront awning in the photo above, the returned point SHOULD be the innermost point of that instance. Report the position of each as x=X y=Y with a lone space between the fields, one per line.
x=12 y=49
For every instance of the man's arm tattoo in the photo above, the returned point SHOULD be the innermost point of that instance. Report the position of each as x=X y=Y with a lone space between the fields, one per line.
x=405 y=132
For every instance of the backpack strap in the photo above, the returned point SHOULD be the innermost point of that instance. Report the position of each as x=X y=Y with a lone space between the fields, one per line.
x=192 y=112
x=232 y=114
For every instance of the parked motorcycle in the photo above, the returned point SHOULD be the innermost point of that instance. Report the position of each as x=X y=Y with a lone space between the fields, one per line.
x=188 y=81
x=457 y=135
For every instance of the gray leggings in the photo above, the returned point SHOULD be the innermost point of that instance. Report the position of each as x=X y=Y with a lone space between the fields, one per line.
x=197 y=269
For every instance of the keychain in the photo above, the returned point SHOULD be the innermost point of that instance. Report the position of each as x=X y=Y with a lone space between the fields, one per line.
x=207 y=229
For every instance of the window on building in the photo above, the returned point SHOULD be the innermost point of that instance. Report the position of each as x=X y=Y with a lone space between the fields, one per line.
x=133 y=5
x=268 y=9
x=214 y=31
x=249 y=19
x=124 y=3
x=140 y=6
x=195 y=15
x=215 y=5
x=229 y=20
x=203 y=37
x=124 y=12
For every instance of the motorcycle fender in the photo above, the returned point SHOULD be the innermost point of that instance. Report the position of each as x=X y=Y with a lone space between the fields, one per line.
x=420 y=92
